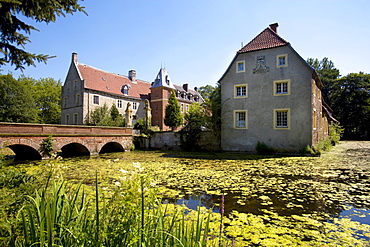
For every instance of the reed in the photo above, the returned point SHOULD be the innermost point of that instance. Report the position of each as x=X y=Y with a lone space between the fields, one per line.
x=62 y=215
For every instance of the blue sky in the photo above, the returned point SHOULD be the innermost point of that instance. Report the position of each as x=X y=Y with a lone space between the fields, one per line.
x=195 y=40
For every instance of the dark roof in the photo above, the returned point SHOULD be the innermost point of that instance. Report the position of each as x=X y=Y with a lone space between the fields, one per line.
x=268 y=38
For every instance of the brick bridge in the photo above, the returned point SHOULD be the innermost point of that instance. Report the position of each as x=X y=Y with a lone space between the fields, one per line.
x=69 y=140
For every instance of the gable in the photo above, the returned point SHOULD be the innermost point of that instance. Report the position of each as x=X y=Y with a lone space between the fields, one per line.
x=268 y=38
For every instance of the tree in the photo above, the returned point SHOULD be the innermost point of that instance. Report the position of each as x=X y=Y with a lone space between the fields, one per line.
x=212 y=105
x=117 y=119
x=102 y=116
x=351 y=105
x=12 y=41
x=206 y=91
x=173 y=117
x=46 y=93
x=16 y=101
x=327 y=73
x=195 y=120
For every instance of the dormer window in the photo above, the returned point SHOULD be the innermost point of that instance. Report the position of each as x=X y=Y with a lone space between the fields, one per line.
x=125 y=89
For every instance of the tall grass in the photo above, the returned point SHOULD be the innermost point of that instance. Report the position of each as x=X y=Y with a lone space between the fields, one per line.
x=131 y=215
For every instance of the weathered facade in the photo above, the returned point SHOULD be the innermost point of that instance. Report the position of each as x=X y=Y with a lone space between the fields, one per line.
x=87 y=88
x=271 y=95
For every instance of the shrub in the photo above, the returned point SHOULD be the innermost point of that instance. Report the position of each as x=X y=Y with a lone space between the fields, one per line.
x=335 y=132
x=47 y=146
x=262 y=148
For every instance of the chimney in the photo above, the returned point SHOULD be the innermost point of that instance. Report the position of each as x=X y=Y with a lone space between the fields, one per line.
x=185 y=87
x=74 y=57
x=132 y=75
x=274 y=27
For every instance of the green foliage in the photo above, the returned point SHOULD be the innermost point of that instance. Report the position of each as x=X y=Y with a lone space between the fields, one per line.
x=47 y=146
x=212 y=107
x=335 y=132
x=102 y=116
x=173 y=117
x=262 y=148
x=327 y=73
x=114 y=113
x=348 y=96
x=351 y=105
x=310 y=150
x=195 y=120
x=14 y=178
x=132 y=216
x=206 y=91
x=16 y=101
x=13 y=27
x=282 y=199
x=29 y=100
x=46 y=93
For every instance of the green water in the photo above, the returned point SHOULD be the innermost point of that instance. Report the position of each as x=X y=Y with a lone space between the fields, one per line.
x=327 y=188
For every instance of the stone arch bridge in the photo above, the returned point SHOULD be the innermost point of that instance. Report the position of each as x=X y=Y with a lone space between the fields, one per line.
x=68 y=140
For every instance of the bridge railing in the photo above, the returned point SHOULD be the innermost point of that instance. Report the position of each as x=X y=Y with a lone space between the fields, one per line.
x=47 y=129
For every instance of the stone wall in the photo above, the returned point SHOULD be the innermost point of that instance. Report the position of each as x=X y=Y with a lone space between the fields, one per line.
x=167 y=140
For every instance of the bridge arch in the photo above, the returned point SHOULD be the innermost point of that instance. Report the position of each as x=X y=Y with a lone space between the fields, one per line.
x=25 y=152
x=112 y=147
x=74 y=149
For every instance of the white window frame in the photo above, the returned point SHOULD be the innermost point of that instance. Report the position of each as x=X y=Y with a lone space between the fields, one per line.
x=240 y=86
x=135 y=105
x=280 y=82
x=238 y=63
x=276 y=120
x=238 y=121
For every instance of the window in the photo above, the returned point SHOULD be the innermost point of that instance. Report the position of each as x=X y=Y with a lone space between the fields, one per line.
x=96 y=100
x=182 y=107
x=240 y=66
x=281 y=87
x=240 y=119
x=134 y=106
x=67 y=119
x=119 y=103
x=65 y=101
x=75 y=118
x=187 y=108
x=78 y=99
x=282 y=119
x=125 y=89
x=240 y=91
x=314 y=119
x=282 y=60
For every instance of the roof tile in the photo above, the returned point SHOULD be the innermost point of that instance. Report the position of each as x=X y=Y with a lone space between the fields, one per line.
x=104 y=81
x=266 y=39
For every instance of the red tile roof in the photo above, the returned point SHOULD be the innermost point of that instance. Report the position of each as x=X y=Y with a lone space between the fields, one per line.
x=266 y=39
x=104 y=81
